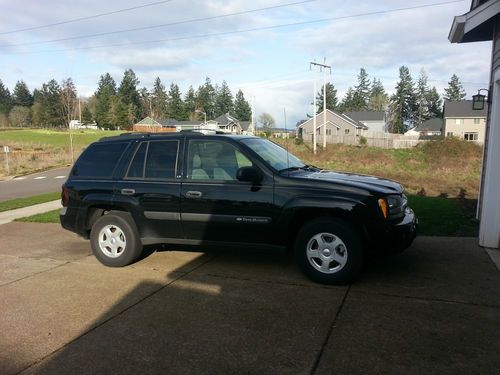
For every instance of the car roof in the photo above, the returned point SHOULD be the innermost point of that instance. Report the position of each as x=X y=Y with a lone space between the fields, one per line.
x=190 y=134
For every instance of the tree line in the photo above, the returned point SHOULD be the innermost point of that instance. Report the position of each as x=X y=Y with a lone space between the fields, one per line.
x=411 y=104
x=115 y=106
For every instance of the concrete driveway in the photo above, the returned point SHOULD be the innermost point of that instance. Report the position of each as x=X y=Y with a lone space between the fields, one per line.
x=432 y=309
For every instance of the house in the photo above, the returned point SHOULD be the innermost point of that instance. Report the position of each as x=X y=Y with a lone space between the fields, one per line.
x=76 y=124
x=225 y=123
x=230 y=124
x=461 y=121
x=482 y=23
x=150 y=125
x=431 y=127
x=339 y=128
x=374 y=120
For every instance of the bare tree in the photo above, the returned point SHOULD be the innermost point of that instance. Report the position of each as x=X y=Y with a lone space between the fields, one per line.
x=68 y=107
x=267 y=121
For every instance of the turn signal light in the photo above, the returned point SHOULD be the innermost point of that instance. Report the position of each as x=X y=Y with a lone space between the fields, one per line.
x=383 y=207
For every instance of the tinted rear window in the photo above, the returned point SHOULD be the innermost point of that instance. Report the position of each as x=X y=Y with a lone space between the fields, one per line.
x=155 y=160
x=99 y=160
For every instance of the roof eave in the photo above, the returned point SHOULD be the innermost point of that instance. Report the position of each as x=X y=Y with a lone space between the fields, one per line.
x=476 y=25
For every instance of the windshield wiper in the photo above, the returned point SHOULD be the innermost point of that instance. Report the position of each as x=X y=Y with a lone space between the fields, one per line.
x=305 y=167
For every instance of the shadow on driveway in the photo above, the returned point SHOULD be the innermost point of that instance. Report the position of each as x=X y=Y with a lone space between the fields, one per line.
x=432 y=309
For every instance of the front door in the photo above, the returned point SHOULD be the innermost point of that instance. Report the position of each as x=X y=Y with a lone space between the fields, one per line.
x=215 y=206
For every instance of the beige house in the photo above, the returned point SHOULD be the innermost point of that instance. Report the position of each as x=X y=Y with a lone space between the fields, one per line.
x=480 y=24
x=461 y=121
x=339 y=129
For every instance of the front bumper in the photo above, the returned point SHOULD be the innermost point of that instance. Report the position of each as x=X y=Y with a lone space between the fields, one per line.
x=398 y=236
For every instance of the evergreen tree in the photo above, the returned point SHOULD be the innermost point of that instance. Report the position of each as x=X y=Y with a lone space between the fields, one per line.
x=117 y=117
x=402 y=105
x=86 y=115
x=49 y=98
x=37 y=113
x=242 y=110
x=455 y=90
x=130 y=96
x=421 y=97
x=206 y=98
x=190 y=104
x=175 y=107
x=348 y=103
x=5 y=99
x=331 y=98
x=224 y=100
x=106 y=90
x=159 y=100
x=434 y=103
x=361 y=94
x=22 y=95
x=378 y=97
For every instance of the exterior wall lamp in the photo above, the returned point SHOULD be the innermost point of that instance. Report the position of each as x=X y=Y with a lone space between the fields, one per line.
x=479 y=99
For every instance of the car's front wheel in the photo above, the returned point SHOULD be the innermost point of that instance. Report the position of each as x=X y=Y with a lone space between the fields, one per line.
x=114 y=239
x=329 y=251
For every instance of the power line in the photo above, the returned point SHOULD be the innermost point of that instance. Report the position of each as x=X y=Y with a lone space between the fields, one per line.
x=161 y=25
x=232 y=32
x=86 y=18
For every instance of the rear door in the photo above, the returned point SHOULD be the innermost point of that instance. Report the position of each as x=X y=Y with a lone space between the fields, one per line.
x=151 y=188
x=215 y=206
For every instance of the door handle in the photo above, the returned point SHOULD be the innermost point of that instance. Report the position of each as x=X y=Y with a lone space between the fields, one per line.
x=193 y=194
x=128 y=191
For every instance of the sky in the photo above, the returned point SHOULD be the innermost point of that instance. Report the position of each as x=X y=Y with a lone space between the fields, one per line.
x=263 y=47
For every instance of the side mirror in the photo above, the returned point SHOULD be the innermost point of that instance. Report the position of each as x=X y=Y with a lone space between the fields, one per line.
x=249 y=174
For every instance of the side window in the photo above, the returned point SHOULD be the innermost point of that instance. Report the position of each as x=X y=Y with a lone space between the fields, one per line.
x=214 y=160
x=99 y=160
x=161 y=159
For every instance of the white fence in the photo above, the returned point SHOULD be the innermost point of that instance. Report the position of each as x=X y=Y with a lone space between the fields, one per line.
x=382 y=140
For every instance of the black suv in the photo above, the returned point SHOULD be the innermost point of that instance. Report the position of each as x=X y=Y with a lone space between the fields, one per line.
x=133 y=190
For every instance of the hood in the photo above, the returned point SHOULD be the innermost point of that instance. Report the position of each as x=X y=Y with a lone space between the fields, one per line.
x=367 y=182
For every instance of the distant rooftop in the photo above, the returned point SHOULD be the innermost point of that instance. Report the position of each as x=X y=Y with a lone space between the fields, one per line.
x=433 y=125
x=463 y=108
x=366 y=115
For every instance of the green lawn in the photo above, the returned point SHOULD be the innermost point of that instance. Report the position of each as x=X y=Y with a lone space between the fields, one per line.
x=47 y=217
x=445 y=216
x=29 y=201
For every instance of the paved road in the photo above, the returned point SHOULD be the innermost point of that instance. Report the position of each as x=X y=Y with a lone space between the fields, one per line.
x=434 y=309
x=34 y=184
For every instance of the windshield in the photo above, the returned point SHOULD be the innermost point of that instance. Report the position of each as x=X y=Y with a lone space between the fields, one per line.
x=274 y=155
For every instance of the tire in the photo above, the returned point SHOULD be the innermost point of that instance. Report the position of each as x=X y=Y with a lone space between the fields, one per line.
x=114 y=239
x=329 y=251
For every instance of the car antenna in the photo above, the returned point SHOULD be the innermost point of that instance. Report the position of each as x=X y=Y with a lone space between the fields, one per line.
x=286 y=143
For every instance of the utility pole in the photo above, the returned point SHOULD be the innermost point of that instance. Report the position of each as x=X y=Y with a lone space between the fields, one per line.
x=322 y=68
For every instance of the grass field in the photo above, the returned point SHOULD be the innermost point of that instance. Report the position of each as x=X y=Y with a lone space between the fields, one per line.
x=448 y=167
x=38 y=149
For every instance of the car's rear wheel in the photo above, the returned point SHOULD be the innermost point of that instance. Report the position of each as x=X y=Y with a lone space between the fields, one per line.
x=329 y=251
x=114 y=239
